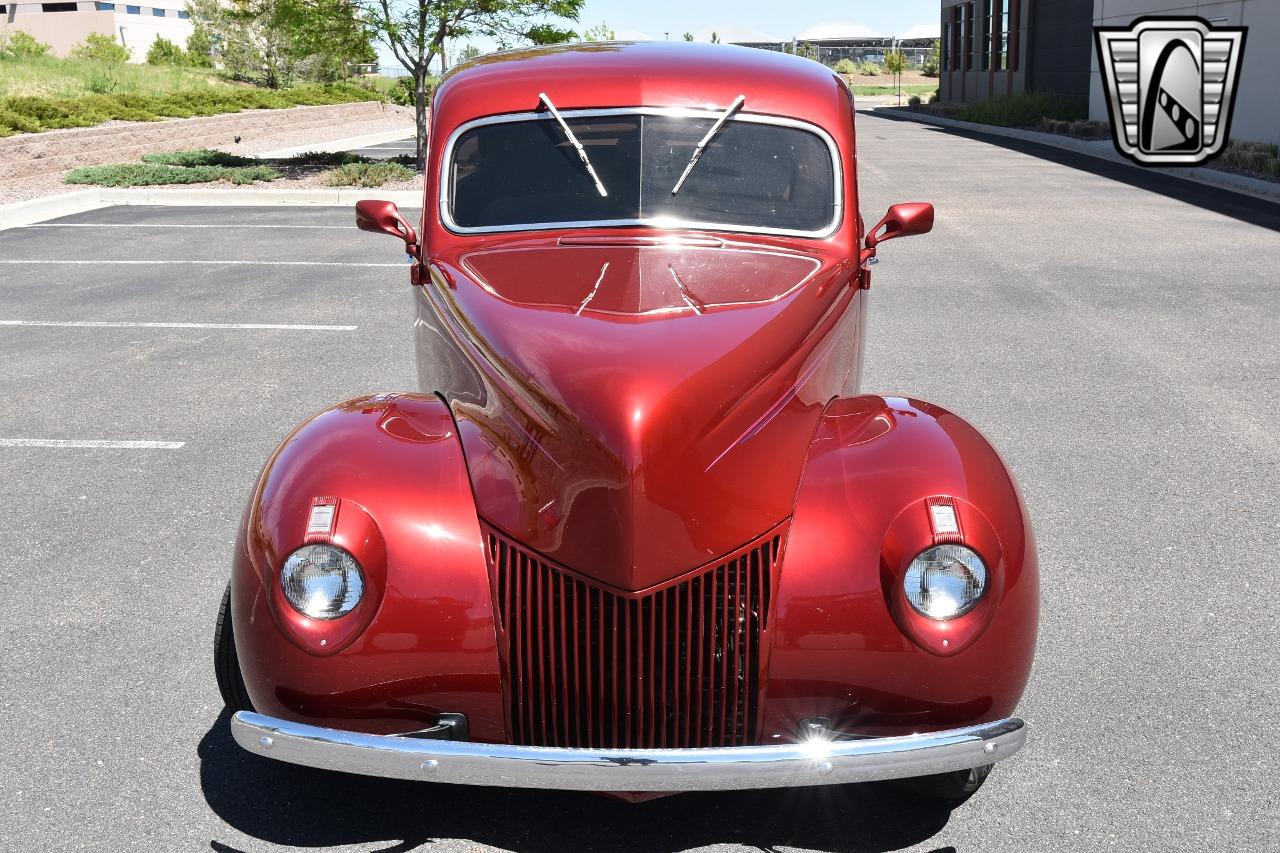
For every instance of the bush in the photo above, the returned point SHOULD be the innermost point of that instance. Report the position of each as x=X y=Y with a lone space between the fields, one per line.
x=369 y=174
x=198 y=157
x=869 y=69
x=846 y=66
x=1022 y=110
x=165 y=52
x=200 y=48
x=931 y=64
x=11 y=123
x=98 y=47
x=150 y=174
x=101 y=82
x=913 y=101
x=22 y=45
x=325 y=158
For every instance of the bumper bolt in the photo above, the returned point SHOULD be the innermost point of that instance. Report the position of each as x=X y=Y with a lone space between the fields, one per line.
x=265 y=742
x=430 y=764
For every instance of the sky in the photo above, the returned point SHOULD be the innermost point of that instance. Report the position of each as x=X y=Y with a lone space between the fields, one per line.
x=782 y=20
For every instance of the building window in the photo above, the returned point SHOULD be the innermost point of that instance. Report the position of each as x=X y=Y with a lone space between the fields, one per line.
x=944 y=61
x=57 y=7
x=988 y=8
x=159 y=13
x=133 y=10
x=184 y=15
x=970 y=43
x=105 y=7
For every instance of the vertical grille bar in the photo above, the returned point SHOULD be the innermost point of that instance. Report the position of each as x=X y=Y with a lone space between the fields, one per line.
x=590 y=667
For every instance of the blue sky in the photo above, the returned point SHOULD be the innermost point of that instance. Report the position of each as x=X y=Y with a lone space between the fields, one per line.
x=655 y=17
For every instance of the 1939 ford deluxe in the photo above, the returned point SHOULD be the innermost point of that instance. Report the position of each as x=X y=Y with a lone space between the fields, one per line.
x=637 y=531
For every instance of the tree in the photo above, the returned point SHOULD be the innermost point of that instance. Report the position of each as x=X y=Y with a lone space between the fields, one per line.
x=688 y=36
x=600 y=32
x=468 y=52
x=99 y=47
x=165 y=52
x=200 y=48
x=416 y=31
x=715 y=37
x=895 y=62
x=932 y=61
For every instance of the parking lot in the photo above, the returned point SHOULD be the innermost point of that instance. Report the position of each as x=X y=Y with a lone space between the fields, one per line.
x=1113 y=332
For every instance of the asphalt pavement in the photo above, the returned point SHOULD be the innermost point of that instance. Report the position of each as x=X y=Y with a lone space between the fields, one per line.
x=1114 y=333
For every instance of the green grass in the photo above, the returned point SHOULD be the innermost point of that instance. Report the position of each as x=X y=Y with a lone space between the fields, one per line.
x=153 y=174
x=46 y=93
x=369 y=174
x=51 y=77
x=907 y=89
x=1022 y=110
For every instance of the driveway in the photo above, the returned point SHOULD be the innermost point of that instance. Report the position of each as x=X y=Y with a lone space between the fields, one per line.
x=1114 y=333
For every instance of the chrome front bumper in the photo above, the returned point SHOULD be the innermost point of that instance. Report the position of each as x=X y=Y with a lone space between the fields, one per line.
x=728 y=768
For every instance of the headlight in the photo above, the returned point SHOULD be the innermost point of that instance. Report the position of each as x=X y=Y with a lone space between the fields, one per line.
x=322 y=581
x=945 y=581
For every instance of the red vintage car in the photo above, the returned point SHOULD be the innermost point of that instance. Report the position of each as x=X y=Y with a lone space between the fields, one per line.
x=637 y=531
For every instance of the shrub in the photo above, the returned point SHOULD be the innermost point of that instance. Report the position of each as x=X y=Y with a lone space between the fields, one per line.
x=325 y=158
x=846 y=66
x=101 y=82
x=369 y=174
x=22 y=45
x=98 y=47
x=198 y=157
x=16 y=123
x=913 y=101
x=929 y=68
x=200 y=48
x=165 y=52
x=869 y=69
x=150 y=174
x=1022 y=110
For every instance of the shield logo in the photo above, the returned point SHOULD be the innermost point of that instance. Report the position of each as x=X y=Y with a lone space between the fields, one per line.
x=1170 y=84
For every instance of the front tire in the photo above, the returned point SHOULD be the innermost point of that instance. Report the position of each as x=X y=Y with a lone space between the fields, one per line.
x=226 y=665
x=953 y=788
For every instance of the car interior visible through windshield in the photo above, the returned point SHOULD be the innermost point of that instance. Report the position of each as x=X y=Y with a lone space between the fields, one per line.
x=752 y=174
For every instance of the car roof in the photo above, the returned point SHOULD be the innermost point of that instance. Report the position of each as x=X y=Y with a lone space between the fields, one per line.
x=652 y=74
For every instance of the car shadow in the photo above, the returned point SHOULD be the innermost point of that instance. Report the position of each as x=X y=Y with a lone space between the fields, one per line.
x=299 y=806
x=1246 y=208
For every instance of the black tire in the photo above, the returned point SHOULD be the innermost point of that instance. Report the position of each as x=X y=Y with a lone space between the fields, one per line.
x=953 y=788
x=226 y=666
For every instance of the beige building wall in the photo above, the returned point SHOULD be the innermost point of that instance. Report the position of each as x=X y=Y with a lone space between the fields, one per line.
x=1257 y=105
x=136 y=29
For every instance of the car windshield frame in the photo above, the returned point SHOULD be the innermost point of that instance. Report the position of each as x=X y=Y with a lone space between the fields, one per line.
x=663 y=223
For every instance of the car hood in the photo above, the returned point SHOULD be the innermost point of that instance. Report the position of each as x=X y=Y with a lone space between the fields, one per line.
x=641 y=409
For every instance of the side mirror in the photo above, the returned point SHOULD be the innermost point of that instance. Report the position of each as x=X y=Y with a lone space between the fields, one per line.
x=902 y=220
x=384 y=217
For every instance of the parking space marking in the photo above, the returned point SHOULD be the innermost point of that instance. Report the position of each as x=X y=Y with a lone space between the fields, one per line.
x=240 y=226
x=61 y=443
x=103 y=324
x=59 y=262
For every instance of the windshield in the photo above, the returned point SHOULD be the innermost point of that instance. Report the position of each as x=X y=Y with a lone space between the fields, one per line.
x=753 y=174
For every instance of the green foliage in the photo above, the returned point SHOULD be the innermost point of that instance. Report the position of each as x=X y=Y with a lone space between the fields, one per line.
x=324 y=158
x=805 y=49
x=715 y=37
x=369 y=174
x=895 y=62
x=846 y=66
x=549 y=34
x=600 y=32
x=1022 y=110
x=150 y=174
x=869 y=69
x=1259 y=158
x=198 y=157
x=932 y=60
x=688 y=36
x=22 y=45
x=31 y=114
x=913 y=101
x=101 y=82
x=200 y=48
x=99 y=47
x=165 y=52
x=468 y=52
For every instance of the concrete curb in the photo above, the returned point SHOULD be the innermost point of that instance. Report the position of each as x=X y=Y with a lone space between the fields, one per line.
x=339 y=144
x=1103 y=150
x=36 y=210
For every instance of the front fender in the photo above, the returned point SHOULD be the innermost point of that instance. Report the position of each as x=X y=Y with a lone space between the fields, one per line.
x=427 y=642
x=842 y=647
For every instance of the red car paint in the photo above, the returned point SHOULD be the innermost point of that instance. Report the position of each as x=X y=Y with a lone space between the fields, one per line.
x=630 y=407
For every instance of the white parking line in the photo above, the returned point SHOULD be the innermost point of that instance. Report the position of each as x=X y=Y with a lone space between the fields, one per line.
x=97 y=324
x=239 y=226
x=90 y=445
x=59 y=262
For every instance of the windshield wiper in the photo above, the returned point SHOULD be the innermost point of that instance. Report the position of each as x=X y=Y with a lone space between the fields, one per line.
x=715 y=128
x=582 y=152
